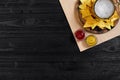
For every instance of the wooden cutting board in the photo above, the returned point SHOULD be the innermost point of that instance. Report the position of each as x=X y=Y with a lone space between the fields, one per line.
x=69 y=7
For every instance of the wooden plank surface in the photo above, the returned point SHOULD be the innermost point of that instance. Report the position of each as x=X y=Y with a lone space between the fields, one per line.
x=36 y=43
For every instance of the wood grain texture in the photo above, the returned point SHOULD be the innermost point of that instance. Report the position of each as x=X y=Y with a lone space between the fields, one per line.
x=36 y=43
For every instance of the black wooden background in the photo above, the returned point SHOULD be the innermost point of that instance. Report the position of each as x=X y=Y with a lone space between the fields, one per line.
x=36 y=43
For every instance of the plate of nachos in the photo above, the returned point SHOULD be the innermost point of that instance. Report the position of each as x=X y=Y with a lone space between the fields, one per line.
x=92 y=21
